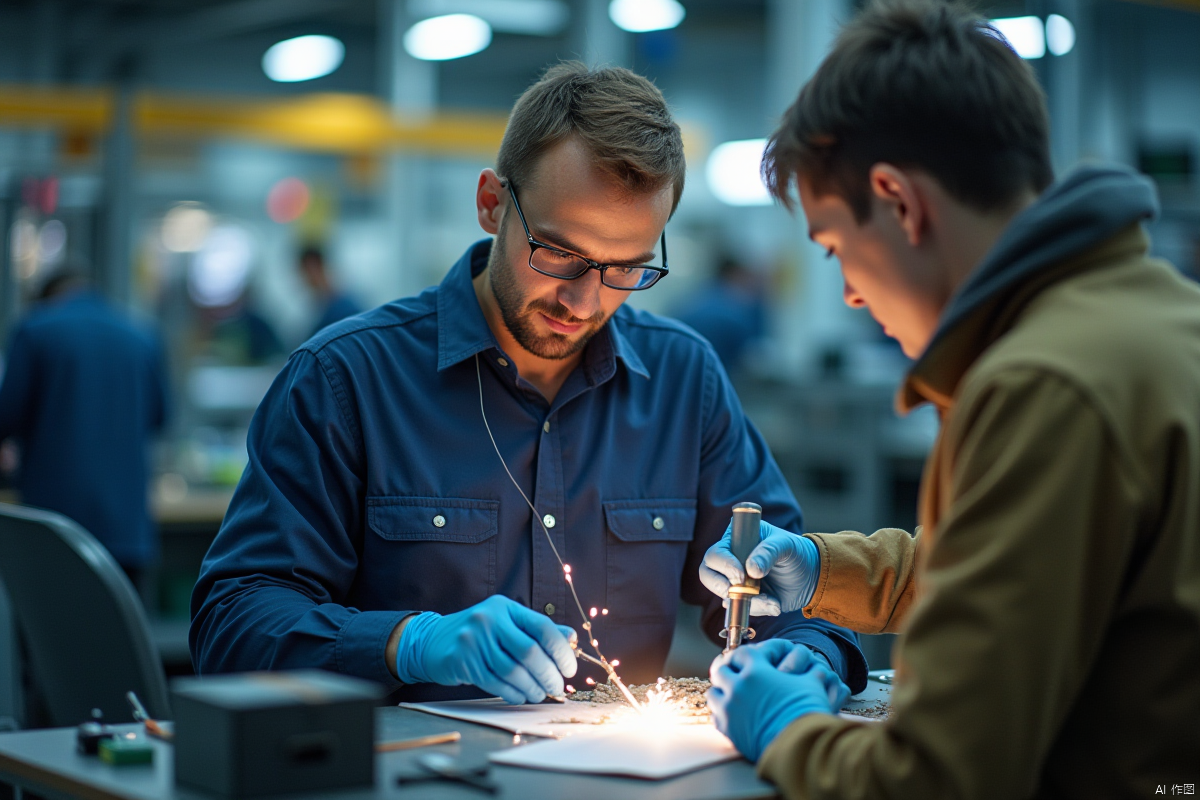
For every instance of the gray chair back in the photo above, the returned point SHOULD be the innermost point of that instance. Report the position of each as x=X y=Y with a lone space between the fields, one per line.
x=85 y=633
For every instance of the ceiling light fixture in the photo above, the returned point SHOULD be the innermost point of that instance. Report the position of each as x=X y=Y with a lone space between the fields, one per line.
x=734 y=173
x=640 y=16
x=303 y=58
x=526 y=17
x=446 y=37
x=1025 y=35
x=1060 y=34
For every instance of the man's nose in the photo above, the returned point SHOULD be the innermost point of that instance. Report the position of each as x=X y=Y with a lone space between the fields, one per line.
x=582 y=295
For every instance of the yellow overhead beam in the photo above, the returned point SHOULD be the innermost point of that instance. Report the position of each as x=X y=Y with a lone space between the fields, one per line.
x=341 y=123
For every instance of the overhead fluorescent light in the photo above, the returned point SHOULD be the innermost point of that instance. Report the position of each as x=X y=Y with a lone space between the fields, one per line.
x=1060 y=34
x=446 y=37
x=640 y=16
x=1025 y=35
x=303 y=58
x=734 y=173
x=528 y=17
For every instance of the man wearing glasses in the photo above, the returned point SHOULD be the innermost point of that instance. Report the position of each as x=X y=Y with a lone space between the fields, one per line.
x=384 y=524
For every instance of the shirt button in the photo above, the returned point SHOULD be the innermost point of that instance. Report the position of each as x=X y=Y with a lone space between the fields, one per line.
x=658 y=523
x=546 y=426
x=502 y=362
x=549 y=609
x=439 y=521
x=548 y=520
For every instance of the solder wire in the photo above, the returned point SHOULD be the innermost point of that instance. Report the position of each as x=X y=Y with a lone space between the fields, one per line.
x=587 y=625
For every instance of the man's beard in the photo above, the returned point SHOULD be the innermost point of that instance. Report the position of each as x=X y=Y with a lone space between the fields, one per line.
x=518 y=316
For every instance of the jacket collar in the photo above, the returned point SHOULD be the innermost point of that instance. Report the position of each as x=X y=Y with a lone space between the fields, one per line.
x=936 y=375
x=463 y=331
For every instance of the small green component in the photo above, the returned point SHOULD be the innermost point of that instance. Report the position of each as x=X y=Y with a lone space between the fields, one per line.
x=120 y=751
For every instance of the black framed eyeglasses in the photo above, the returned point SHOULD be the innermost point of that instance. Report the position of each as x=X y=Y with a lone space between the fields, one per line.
x=557 y=263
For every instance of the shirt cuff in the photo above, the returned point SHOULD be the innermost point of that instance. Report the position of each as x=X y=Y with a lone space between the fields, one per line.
x=362 y=642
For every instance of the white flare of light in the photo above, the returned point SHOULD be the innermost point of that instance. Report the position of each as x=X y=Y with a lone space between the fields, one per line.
x=447 y=37
x=1025 y=35
x=303 y=58
x=1060 y=34
x=734 y=173
x=185 y=227
x=525 y=17
x=641 y=16
x=221 y=269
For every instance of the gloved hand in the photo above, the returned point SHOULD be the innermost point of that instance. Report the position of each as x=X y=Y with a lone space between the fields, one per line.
x=498 y=645
x=760 y=689
x=788 y=564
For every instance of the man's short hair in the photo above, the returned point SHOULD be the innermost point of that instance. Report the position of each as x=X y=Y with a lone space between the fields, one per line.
x=620 y=117
x=923 y=84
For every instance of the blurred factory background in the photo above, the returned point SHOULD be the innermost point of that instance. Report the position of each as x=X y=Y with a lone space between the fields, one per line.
x=184 y=152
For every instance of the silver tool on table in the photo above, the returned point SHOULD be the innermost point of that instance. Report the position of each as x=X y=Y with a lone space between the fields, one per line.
x=745 y=538
x=440 y=766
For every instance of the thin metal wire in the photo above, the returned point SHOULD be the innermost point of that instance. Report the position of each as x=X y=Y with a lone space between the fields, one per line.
x=587 y=624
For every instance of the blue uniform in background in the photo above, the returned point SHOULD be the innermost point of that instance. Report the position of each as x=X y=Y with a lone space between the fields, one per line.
x=373 y=491
x=84 y=391
x=337 y=308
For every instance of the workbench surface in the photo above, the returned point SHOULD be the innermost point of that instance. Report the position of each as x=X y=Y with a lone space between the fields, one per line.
x=45 y=762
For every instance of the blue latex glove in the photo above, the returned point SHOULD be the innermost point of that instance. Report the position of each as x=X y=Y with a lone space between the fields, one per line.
x=498 y=645
x=760 y=689
x=788 y=564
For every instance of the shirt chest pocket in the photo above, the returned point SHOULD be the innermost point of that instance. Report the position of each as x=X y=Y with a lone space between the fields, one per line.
x=647 y=546
x=439 y=553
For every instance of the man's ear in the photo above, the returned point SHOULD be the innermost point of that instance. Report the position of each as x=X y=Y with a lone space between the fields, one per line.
x=489 y=201
x=897 y=190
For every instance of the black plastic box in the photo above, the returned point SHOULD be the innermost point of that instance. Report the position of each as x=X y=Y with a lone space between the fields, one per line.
x=258 y=734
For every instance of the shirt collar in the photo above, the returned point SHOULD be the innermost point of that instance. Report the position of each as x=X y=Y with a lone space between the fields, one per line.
x=463 y=330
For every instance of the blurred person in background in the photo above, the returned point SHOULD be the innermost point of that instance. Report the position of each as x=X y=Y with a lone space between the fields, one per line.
x=1050 y=601
x=84 y=392
x=334 y=305
x=730 y=311
x=240 y=336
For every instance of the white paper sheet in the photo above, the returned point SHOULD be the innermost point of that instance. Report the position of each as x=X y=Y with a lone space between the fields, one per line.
x=580 y=746
x=637 y=753
x=549 y=719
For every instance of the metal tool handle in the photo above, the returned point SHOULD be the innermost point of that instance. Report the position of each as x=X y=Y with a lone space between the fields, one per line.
x=746 y=537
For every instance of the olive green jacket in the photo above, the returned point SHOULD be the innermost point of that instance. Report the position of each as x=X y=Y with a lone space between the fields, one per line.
x=1050 y=603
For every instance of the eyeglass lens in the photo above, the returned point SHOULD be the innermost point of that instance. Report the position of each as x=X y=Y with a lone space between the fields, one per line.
x=565 y=265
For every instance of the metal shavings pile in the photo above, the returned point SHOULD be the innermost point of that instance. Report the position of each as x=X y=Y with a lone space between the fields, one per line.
x=878 y=710
x=687 y=695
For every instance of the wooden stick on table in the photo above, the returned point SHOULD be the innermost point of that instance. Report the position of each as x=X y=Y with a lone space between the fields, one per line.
x=419 y=741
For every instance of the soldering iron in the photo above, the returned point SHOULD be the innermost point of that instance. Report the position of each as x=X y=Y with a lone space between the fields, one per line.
x=745 y=537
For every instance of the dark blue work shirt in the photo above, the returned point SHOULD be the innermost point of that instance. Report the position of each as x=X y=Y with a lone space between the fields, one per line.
x=373 y=491
x=84 y=391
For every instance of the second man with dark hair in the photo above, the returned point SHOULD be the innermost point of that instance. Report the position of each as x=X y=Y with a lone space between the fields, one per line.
x=384 y=526
x=1050 y=602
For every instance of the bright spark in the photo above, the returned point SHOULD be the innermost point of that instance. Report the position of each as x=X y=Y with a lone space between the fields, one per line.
x=592 y=612
x=604 y=611
x=615 y=662
x=590 y=682
x=661 y=711
x=567 y=568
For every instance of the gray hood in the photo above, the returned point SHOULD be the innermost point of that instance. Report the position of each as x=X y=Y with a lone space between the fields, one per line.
x=1085 y=208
